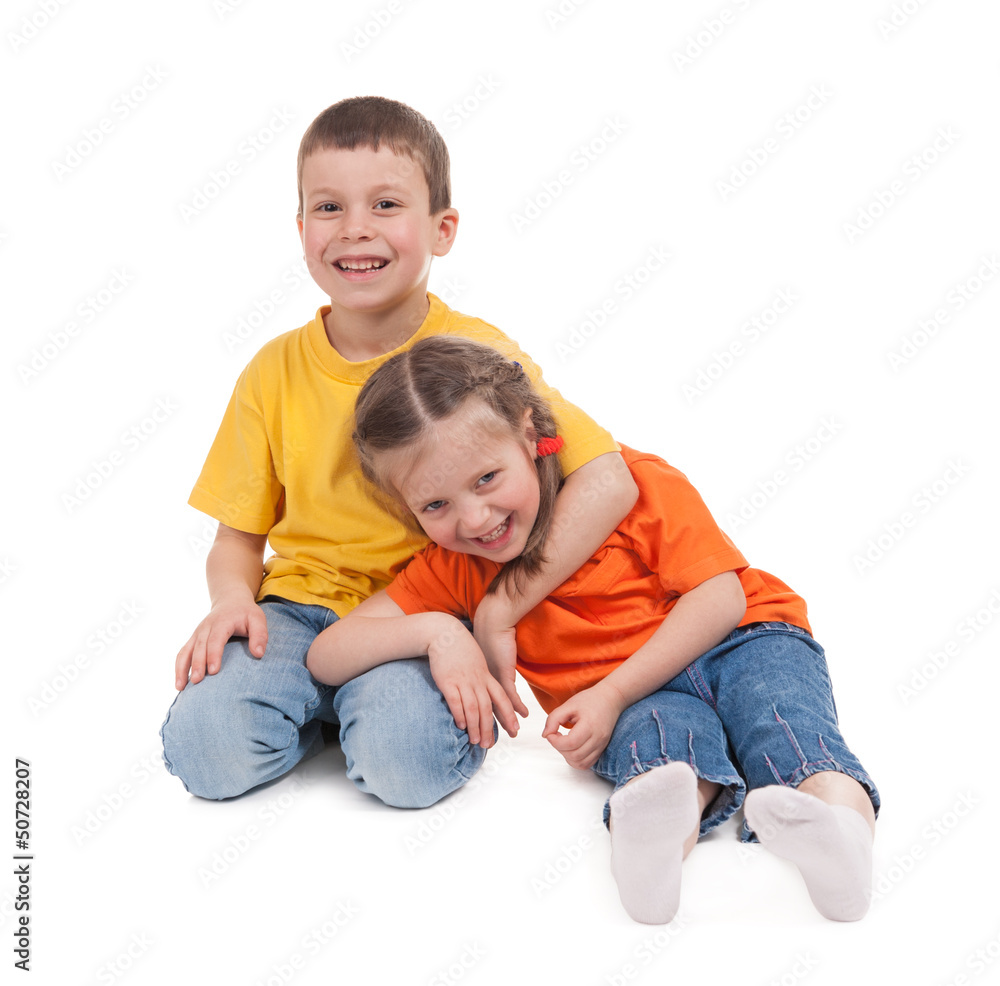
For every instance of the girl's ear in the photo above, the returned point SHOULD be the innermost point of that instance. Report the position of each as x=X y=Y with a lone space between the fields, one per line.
x=531 y=436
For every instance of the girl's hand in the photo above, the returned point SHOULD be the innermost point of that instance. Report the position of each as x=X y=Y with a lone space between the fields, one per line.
x=201 y=655
x=591 y=716
x=496 y=635
x=473 y=695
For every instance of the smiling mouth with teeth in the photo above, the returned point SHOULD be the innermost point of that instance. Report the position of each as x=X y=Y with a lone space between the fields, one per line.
x=361 y=264
x=497 y=532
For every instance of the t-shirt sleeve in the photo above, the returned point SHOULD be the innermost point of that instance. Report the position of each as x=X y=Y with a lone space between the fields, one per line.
x=238 y=484
x=674 y=531
x=584 y=438
x=441 y=581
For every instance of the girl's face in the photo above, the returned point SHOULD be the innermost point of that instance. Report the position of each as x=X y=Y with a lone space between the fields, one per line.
x=473 y=487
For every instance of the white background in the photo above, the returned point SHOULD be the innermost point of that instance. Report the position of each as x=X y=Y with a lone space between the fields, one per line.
x=512 y=876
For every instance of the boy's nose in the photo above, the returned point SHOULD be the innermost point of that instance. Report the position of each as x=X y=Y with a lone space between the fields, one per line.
x=356 y=226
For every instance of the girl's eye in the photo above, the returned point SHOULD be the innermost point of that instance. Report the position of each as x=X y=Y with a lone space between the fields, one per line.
x=483 y=480
x=431 y=507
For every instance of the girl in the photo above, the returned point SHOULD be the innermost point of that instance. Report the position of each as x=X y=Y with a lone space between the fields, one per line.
x=679 y=673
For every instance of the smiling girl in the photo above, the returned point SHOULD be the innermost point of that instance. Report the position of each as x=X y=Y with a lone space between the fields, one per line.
x=679 y=673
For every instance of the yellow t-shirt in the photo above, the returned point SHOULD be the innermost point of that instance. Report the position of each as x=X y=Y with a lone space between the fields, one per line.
x=283 y=464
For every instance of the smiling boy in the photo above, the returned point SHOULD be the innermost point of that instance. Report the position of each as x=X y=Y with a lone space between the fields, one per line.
x=374 y=210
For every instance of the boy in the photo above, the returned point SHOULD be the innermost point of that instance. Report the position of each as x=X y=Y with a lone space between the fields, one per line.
x=374 y=209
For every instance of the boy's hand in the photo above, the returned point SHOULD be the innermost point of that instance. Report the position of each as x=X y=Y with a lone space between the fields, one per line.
x=495 y=633
x=592 y=714
x=202 y=654
x=472 y=693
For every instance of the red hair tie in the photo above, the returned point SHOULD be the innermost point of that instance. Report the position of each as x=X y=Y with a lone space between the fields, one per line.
x=546 y=446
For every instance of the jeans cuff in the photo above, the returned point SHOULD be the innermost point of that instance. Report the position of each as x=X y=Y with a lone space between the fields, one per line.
x=725 y=804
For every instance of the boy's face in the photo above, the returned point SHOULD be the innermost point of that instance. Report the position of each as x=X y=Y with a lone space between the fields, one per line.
x=367 y=231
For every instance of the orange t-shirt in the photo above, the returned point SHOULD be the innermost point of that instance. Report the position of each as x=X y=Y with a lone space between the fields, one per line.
x=601 y=615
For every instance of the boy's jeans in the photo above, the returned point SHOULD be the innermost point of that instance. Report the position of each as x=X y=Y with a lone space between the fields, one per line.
x=756 y=710
x=256 y=718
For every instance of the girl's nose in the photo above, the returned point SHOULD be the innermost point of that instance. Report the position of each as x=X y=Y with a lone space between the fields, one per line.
x=474 y=517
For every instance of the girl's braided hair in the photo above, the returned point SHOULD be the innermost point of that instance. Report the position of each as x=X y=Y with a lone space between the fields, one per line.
x=409 y=394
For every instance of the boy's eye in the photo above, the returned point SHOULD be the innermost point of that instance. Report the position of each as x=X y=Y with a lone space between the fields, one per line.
x=434 y=505
x=385 y=204
x=488 y=477
x=329 y=207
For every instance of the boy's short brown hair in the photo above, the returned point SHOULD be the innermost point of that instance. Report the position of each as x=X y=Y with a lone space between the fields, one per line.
x=371 y=121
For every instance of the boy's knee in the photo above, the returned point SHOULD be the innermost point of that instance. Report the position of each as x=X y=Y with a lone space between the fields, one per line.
x=404 y=781
x=213 y=757
x=400 y=739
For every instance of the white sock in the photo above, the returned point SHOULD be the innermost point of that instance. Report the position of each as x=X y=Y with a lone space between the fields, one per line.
x=830 y=844
x=651 y=817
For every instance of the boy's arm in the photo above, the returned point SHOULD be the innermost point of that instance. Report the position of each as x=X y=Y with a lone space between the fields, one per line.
x=593 y=501
x=378 y=631
x=234 y=569
x=700 y=620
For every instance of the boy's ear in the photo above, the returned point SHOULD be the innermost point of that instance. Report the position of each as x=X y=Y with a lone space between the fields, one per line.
x=447 y=227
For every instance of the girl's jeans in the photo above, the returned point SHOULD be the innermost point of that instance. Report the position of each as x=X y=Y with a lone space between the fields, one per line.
x=258 y=717
x=756 y=710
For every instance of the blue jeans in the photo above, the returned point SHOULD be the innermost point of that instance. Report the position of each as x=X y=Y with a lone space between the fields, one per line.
x=757 y=709
x=255 y=719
